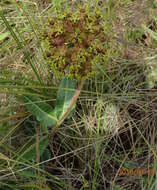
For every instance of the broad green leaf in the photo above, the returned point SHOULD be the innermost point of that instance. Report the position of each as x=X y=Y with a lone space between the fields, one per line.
x=27 y=174
x=46 y=155
x=64 y=96
x=42 y=111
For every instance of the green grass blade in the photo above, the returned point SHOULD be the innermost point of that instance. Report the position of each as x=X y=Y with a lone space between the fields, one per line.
x=20 y=46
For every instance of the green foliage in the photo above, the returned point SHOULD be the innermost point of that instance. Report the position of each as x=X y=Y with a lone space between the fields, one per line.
x=46 y=154
x=28 y=153
x=47 y=116
x=42 y=111
x=45 y=113
x=154 y=4
x=64 y=96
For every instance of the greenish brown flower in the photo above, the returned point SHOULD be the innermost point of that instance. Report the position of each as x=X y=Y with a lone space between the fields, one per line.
x=74 y=42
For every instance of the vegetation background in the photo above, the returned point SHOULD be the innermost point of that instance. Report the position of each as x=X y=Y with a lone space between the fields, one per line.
x=114 y=124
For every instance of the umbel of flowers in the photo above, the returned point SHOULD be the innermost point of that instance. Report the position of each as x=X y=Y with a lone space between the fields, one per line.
x=75 y=42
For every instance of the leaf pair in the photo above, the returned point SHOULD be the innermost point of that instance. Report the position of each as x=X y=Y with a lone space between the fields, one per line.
x=45 y=113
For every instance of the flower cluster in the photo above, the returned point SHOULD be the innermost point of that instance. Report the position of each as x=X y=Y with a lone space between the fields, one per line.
x=75 y=42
